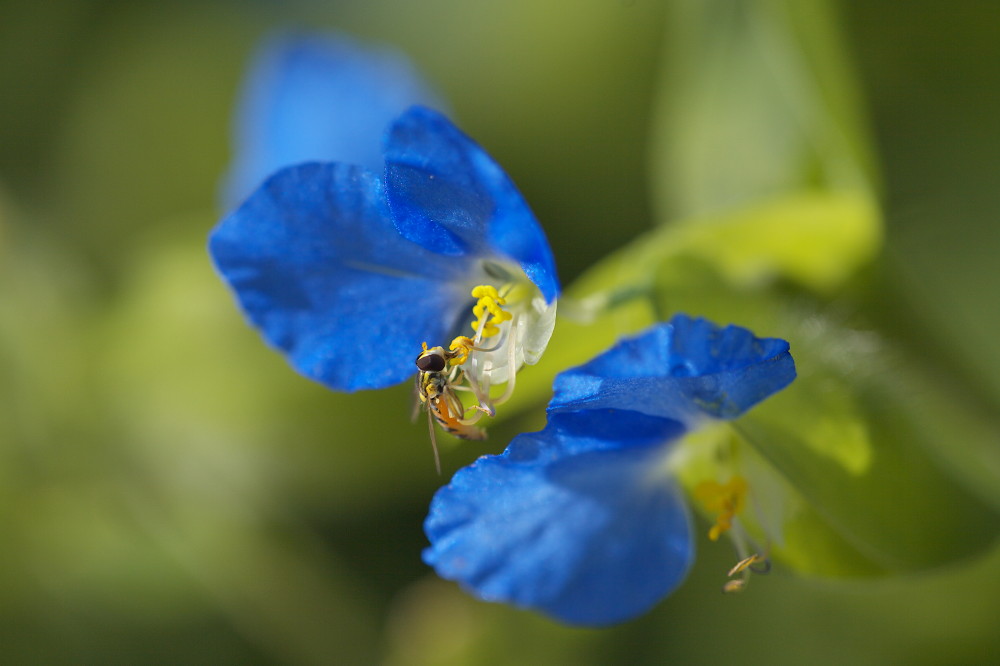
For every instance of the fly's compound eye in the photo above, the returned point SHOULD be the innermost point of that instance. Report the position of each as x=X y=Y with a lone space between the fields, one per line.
x=430 y=363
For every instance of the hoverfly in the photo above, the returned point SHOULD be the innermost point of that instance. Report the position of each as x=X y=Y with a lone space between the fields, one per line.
x=436 y=388
x=443 y=372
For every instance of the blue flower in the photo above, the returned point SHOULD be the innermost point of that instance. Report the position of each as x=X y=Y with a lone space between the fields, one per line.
x=583 y=520
x=349 y=271
x=310 y=97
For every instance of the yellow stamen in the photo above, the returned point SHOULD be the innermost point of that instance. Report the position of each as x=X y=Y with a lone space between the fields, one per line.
x=487 y=311
x=746 y=562
x=489 y=314
x=727 y=499
x=744 y=567
x=460 y=348
x=734 y=586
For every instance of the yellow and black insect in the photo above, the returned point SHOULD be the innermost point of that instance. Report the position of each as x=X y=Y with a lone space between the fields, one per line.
x=444 y=372
x=437 y=384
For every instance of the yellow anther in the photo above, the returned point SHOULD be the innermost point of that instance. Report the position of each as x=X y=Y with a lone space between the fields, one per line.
x=743 y=568
x=726 y=499
x=487 y=311
x=487 y=291
x=459 y=350
x=746 y=562
x=732 y=586
x=487 y=304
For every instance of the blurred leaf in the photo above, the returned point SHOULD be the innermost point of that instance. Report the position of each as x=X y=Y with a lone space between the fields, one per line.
x=815 y=239
x=926 y=71
x=967 y=438
x=280 y=587
x=756 y=101
x=435 y=624
x=144 y=136
x=845 y=437
x=46 y=407
x=758 y=133
x=942 y=268
x=39 y=47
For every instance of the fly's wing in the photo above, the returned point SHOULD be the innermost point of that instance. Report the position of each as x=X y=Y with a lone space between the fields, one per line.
x=457 y=412
x=420 y=400
x=455 y=407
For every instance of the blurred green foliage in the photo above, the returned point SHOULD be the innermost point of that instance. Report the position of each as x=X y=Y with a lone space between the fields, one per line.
x=173 y=492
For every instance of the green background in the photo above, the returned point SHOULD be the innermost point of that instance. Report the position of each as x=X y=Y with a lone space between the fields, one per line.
x=170 y=492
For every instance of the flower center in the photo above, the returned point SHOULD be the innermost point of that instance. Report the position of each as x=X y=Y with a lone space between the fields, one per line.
x=725 y=499
x=489 y=315
x=512 y=325
x=476 y=360
x=467 y=366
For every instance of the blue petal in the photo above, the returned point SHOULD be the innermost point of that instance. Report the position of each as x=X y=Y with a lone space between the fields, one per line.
x=583 y=532
x=448 y=194
x=318 y=98
x=685 y=369
x=319 y=268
